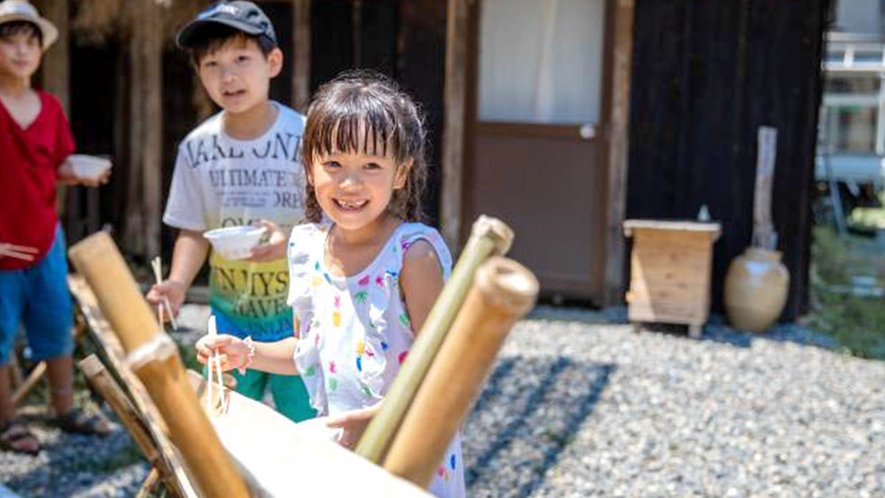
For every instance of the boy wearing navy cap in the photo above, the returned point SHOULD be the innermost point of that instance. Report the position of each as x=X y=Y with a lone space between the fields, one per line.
x=239 y=167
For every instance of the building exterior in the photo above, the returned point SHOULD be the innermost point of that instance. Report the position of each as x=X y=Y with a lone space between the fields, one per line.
x=562 y=117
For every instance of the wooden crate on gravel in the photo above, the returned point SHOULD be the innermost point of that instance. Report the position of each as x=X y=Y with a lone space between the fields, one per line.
x=670 y=272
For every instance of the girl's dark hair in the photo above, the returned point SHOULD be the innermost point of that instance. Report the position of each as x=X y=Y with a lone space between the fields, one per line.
x=15 y=27
x=366 y=109
x=212 y=37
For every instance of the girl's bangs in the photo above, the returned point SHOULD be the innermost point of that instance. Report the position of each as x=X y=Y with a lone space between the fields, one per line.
x=366 y=131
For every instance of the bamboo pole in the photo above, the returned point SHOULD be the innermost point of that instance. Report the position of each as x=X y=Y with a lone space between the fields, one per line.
x=149 y=485
x=155 y=361
x=489 y=236
x=29 y=383
x=504 y=291
x=16 y=377
x=110 y=391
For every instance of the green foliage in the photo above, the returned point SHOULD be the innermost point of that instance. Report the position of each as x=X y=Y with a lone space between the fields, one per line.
x=869 y=217
x=857 y=322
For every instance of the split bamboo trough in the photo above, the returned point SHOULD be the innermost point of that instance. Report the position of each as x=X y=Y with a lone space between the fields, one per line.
x=423 y=410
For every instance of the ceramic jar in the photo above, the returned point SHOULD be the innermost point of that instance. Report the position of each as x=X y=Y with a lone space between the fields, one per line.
x=756 y=289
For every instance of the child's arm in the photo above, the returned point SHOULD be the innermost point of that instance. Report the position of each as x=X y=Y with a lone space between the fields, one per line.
x=187 y=258
x=271 y=357
x=421 y=280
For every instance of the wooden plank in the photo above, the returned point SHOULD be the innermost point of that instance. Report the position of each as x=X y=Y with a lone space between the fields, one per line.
x=454 y=126
x=687 y=226
x=655 y=274
x=108 y=388
x=618 y=147
x=152 y=144
x=113 y=357
x=146 y=130
x=158 y=364
x=673 y=240
x=420 y=68
x=16 y=377
x=301 y=50
x=55 y=68
x=662 y=312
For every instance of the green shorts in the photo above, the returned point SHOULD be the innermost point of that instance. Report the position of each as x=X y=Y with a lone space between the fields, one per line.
x=289 y=394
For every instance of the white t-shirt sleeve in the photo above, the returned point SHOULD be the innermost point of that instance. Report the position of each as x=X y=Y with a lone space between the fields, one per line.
x=185 y=208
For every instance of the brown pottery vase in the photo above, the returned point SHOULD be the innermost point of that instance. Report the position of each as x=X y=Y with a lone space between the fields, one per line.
x=756 y=289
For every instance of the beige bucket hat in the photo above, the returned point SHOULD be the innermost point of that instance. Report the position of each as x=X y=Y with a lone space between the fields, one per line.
x=19 y=10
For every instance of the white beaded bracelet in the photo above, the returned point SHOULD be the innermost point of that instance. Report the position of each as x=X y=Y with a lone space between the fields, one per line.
x=250 y=355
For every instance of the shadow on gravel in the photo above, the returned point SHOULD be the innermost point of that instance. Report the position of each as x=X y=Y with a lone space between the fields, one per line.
x=530 y=410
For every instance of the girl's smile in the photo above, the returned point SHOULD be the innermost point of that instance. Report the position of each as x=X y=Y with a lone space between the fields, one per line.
x=354 y=189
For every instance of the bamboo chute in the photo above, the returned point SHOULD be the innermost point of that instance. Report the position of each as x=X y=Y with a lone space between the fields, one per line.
x=503 y=292
x=110 y=353
x=155 y=361
x=489 y=236
x=461 y=337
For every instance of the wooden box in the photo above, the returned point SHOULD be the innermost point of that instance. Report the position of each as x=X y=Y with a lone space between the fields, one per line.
x=670 y=271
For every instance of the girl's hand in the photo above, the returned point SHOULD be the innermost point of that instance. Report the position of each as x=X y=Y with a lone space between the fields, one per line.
x=353 y=424
x=275 y=248
x=172 y=290
x=234 y=351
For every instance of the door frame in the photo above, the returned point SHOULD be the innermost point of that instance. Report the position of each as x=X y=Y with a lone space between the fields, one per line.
x=612 y=130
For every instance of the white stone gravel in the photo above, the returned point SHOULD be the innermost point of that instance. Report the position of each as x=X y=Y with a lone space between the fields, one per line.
x=579 y=405
x=589 y=408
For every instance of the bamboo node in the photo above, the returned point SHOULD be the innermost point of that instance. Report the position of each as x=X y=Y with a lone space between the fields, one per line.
x=161 y=348
x=496 y=230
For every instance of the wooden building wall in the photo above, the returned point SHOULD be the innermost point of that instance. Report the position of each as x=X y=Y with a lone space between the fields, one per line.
x=706 y=75
x=404 y=39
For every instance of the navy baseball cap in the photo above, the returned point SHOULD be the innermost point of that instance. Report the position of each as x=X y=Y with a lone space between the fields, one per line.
x=241 y=15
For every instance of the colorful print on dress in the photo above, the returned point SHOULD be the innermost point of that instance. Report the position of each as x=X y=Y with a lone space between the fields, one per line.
x=361 y=297
x=336 y=313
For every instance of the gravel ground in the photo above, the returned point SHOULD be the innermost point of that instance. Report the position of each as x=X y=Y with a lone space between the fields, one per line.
x=580 y=405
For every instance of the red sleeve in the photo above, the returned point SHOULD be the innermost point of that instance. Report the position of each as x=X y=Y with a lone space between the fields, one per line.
x=64 y=138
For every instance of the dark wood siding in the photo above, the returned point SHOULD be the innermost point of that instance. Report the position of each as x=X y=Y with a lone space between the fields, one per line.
x=706 y=75
x=404 y=39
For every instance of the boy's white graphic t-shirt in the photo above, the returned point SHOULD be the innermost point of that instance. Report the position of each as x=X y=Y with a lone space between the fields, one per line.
x=354 y=332
x=220 y=181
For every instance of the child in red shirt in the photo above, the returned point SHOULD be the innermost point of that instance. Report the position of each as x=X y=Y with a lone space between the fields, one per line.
x=35 y=140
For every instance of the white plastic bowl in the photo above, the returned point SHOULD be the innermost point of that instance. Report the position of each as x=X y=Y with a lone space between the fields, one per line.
x=88 y=167
x=235 y=242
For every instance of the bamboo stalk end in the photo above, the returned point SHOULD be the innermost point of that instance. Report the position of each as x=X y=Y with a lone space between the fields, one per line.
x=508 y=284
x=495 y=229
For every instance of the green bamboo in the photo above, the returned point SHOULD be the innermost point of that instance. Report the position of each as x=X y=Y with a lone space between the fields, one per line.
x=488 y=237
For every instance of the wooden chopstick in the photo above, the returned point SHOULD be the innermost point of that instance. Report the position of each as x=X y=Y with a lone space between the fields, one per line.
x=157 y=265
x=32 y=250
x=16 y=254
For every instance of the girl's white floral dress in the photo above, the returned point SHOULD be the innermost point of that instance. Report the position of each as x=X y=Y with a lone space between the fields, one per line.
x=354 y=332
